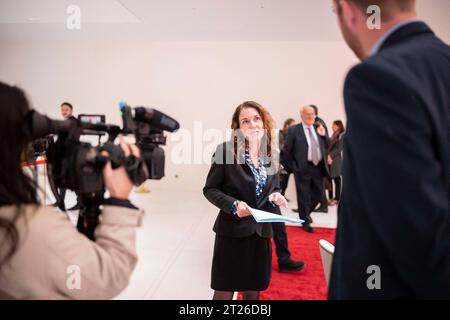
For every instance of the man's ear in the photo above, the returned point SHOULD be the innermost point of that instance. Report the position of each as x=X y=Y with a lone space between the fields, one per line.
x=350 y=13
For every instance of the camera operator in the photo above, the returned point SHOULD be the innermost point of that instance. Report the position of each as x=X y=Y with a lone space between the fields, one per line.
x=42 y=255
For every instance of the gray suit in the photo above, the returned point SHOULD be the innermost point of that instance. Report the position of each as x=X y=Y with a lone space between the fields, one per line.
x=335 y=151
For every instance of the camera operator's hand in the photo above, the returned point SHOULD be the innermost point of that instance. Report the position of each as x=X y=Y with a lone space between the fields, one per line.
x=117 y=181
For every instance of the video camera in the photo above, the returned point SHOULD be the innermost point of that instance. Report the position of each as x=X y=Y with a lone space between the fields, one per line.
x=78 y=166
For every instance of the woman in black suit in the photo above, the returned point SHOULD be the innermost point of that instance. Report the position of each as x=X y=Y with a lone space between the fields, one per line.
x=242 y=175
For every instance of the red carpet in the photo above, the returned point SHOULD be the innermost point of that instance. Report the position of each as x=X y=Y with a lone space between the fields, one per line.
x=308 y=284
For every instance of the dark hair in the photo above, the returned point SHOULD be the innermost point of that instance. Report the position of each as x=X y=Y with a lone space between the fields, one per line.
x=287 y=123
x=16 y=189
x=267 y=120
x=341 y=129
x=316 y=110
x=340 y=125
x=67 y=104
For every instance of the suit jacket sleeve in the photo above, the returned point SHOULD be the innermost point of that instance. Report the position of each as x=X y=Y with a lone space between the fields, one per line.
x=276 y=182
x=404 y=193
x=336 y=150
x=326 y=140
x=214 y=184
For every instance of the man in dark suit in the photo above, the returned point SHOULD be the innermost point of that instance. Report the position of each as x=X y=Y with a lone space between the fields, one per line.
x=393 y=236
x=67 y=114
x=305 y=154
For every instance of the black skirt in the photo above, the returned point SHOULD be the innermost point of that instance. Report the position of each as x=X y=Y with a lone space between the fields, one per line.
x=241 y=264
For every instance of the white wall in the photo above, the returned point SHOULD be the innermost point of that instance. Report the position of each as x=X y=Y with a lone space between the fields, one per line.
x=191 y=81
x=194 y=82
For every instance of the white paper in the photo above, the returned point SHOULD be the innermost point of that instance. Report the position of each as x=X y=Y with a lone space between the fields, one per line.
x=263 y=216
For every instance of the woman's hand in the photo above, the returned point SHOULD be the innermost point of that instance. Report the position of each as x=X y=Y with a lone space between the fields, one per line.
x=117 y=181
x=321 y=131
x=243 y=210
x=330 y=160
x=278 y=199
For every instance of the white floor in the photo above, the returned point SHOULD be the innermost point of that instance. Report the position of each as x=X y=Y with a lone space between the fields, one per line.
x=175 y=244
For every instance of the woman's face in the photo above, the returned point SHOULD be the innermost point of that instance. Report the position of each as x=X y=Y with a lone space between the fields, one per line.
x=251 y=124
x=335 y=127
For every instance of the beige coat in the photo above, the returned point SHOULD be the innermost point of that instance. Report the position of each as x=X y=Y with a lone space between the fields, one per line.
x=55 y=261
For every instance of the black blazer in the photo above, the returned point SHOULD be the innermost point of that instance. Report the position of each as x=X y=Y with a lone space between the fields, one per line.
x=230 y=181
x=394 y=211
x=295 y=152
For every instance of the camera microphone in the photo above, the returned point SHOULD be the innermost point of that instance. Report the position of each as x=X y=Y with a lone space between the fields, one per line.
x=156 y=119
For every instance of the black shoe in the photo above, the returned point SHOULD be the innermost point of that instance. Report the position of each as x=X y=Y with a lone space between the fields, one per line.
x=307 y=227
x=309 y=220
x=295 y=210
x=54 y=204
x=321 y=209
x=75 y=207
x=291 y=266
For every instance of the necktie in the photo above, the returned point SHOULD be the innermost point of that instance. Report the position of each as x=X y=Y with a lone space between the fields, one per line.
x=314 y=148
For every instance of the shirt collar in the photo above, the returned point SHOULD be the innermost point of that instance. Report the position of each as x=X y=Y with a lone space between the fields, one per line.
x=306 y=127
x=248 y=158
x=377 y=46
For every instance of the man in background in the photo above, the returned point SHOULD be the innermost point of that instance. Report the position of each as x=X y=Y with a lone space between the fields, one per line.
x=67 y=111
x=305 y=151
x=393 y=235
x=67 y=114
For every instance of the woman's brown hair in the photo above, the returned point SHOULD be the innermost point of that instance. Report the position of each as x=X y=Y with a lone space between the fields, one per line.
x=340 y=125
x=341 y=129
x=268 y=122
x=287 y=124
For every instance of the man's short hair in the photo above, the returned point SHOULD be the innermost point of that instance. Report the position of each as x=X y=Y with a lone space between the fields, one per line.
x=388 y=7
x=306 y=107
x=67 y=104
